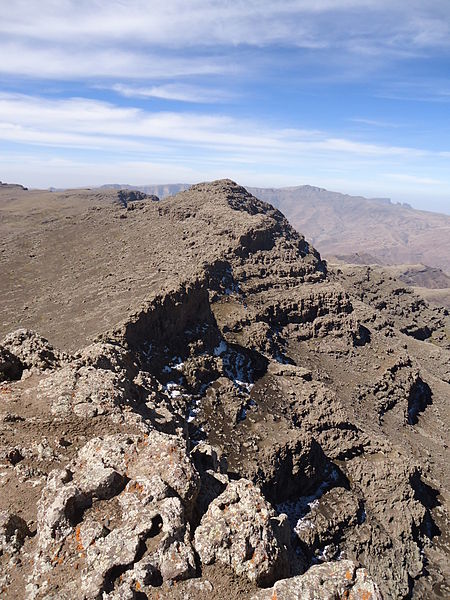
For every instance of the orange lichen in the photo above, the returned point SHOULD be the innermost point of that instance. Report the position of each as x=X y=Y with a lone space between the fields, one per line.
x=57 y=560
x=274 y=596
x=138 y=586
x=80 y=546
x=144 y=441
x=348 y=575
x=135 y=487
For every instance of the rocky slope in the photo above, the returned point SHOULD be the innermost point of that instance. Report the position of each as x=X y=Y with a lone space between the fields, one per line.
x=430 y=283
x=337 y=225
x=216 y=413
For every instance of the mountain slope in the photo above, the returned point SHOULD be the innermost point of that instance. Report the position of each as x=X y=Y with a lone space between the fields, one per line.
x=338 y=224
x=223 y=411
x=342 y=226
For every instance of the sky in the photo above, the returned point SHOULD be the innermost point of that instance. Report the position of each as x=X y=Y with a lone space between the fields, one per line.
x=350 y=95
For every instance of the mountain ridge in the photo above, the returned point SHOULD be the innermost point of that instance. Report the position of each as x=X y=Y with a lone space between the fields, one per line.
x=338 y=224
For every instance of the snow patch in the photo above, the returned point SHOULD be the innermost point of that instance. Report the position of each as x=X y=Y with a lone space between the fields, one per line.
x=221 y=348
x=297 y=509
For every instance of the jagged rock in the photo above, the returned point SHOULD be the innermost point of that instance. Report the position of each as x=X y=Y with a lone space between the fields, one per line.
x=86 y=391
x=10 y=366
x=120 y=508
x=401 y=384
x=152 y=547
x=13 y=455
x=126 y=198
x=326 y=522
x=109 y=357
x=212 y=468
x=287 y=467
x=207 y=458
x=329 y=581
x=216 y=323
x=404 y=520
x=290 y=371
x=33 y=351
x=240 y=529
x=13 y=532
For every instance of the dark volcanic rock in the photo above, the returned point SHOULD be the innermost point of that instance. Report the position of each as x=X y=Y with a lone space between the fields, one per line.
x=10 y=366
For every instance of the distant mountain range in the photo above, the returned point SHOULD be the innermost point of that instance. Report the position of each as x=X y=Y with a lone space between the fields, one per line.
x=352 y=228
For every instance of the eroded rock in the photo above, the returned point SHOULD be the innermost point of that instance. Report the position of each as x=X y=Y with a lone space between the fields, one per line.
x=87 y=391
x=120 y=508
x=34 y=352
x=13 y=532
x=11 y=367
x=329 y=581
x=240 y=529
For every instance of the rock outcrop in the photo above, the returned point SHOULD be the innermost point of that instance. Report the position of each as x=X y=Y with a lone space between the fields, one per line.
x=329 y=581
x=241 y=530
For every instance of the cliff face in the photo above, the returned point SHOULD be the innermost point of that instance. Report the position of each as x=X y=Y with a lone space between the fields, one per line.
x=343 y=226
x=224 y=411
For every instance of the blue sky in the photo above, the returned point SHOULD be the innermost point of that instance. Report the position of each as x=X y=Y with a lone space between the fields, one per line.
x=351 y=95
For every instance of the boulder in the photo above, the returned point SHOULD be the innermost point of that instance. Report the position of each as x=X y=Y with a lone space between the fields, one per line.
x=241 y=530
x=328 y=581
x=13 y=531
x=118 y=516
x=10 y=366
x=86 y=391
x=34 y=352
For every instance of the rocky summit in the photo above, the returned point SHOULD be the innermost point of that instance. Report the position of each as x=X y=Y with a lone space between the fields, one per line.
x=195 y=405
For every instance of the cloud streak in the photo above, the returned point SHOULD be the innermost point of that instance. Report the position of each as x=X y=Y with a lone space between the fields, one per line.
x=175 y=91
x=137 y=39
x=80 y=121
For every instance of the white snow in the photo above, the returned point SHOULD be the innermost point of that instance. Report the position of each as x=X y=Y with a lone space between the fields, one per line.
x=221 y=348
x=298 y=509
x=173 y=389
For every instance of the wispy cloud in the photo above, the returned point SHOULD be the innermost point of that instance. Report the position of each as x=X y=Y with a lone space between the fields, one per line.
x=124 y=39
x=175 y=91
x=175 y=23
x=71 y=62
x=375 y=123
x=96 y=124
x=406 y=178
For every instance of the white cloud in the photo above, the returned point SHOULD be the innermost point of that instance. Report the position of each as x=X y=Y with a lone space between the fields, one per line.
x=375 y=123
x=414 y=179
x=78 y=122
x=173 y=23
x=64 y=62
x=174 y=38
x=174 y=91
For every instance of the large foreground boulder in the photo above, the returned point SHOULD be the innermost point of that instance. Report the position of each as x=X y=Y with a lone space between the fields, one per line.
x=241 y=530
x=116 y=519
x=329 y=581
